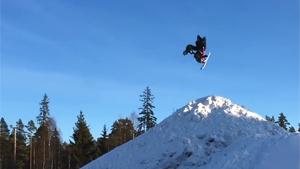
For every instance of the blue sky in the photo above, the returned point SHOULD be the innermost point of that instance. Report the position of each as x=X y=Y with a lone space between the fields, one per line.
x=98 y=57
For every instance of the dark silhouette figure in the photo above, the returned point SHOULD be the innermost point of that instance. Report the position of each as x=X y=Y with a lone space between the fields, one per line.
x=198 y=51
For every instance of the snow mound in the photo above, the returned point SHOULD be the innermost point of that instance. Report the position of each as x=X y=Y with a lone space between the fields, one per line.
x=209 y=133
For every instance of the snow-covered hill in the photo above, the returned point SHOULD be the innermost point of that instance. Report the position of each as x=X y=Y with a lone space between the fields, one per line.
x=209 y=133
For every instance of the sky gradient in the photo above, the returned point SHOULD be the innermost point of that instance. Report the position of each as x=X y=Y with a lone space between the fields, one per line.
x=98 y=57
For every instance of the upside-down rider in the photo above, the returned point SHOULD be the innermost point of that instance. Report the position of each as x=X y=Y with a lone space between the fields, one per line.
x=198 y=50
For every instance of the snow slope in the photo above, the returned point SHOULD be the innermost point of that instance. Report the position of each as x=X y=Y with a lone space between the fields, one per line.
x=209 y=133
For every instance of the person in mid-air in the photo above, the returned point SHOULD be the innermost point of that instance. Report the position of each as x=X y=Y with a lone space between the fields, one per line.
x=198 y=50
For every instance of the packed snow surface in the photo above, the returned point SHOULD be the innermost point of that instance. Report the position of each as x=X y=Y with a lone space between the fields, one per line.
x=209 y=133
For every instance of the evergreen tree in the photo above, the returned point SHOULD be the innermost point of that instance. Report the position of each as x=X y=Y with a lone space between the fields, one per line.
x=31 y=130
x=83 y=145
x=42 y=142
x=66 y=156
x=43 y=117
x=122 y=131
x=292 y=129
x=298 y=127
x=282 y=121
x=12 y=148
x=21 y=155
x=56 y=148
x=43 y=136
x=5 y=148
x=102 y=142
x=271 y=119
x=146 y=117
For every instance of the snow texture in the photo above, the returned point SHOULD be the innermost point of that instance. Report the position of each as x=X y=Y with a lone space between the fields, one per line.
x=209 y=133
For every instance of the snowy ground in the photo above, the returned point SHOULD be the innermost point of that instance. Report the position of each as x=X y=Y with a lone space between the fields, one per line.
x=209 y=133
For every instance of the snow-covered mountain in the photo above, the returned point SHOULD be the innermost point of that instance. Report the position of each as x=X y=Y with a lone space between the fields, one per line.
x=209 y=133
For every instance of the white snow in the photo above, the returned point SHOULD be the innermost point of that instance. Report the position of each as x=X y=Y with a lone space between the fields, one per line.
x=283 y=153
x=209 y=133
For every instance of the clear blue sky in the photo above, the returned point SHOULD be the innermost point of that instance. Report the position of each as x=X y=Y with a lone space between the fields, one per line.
x=98 y=56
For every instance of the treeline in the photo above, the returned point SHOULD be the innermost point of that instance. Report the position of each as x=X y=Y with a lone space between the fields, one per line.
x=40 y=146
x=283 y=122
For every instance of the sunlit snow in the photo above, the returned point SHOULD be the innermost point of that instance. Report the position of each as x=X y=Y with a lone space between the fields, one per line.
x=209 y=133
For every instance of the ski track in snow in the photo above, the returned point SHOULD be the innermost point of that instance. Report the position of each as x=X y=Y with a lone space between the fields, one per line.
x=209 y=133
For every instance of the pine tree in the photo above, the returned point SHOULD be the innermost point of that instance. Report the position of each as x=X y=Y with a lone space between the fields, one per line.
x=83 y=145
x=102 y=142
x=292 y=129
x=31 y=130
x=21 y=155
x=5 y=148
x=298 y=127
x=282 y=121
x=146 y=117
x=56 y=148
x=122 y=131
x=43 y=136
x=43 y=117
x=66 y=156
x=271 y=119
